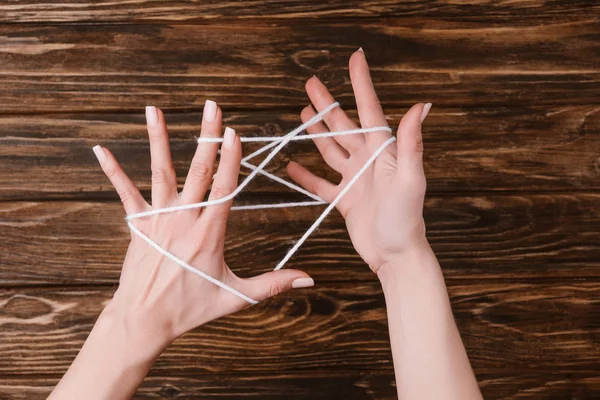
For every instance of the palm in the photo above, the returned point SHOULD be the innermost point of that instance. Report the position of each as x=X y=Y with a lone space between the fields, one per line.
x=383 y=209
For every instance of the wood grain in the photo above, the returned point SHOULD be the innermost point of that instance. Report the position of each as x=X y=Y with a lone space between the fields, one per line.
x=512 y=159
x=126 y=11
x=484 y=237
x=257 y=65
x=372 y=385
x=508 y=328
x=320 y=385
x=474 y=150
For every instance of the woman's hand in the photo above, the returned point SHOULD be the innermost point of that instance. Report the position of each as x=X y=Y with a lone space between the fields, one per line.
x=384 y=208
x=158 y=300
x=155 y=294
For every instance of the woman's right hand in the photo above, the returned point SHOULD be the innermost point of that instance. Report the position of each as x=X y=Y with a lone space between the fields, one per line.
x=384 y=208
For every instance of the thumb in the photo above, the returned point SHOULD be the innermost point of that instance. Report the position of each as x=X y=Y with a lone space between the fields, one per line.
x=410 y=140
x=272 y=283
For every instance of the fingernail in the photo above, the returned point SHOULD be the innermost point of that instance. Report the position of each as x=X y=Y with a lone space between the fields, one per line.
x=361 y=50
x=425 y=111
x=210 y=111
x=302 y=283
x=151 y=115
x=99 y=152
x=228 y=138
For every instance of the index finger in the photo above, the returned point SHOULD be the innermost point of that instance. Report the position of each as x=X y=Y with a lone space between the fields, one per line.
x=369 y=108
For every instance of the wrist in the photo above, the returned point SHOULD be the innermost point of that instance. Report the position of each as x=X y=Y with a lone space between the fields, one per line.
x=140 y=342
x=417 y=259
x=112 y=362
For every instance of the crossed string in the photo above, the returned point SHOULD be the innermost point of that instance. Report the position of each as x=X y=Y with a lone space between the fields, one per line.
x=276 y=142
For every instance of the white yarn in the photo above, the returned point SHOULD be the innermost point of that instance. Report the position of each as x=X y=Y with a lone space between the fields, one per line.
x=334 y=203
x=245 y=182
x=278 y=142
x=189 y=267
x=300 y=137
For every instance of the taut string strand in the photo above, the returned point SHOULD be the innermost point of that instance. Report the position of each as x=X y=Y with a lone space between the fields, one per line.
x=276 y=142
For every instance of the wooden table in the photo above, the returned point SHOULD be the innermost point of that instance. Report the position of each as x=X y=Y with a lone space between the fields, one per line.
x=512 y=160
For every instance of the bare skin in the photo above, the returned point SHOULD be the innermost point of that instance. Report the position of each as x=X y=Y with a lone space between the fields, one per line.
x=157 y=301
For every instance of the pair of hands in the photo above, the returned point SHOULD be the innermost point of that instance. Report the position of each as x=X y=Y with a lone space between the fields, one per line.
x=383 y=210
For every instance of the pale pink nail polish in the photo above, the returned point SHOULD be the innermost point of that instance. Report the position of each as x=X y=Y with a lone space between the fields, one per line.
x=99 y=152
x=210 y=111
x=151 y=115
x=426 y=109
x=303 y=283
x=228 y=138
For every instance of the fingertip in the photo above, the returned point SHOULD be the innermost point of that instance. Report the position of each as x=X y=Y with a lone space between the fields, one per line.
x=425 y=111
x=293 y=168
x=210 y=111
x=312 y=82
x=409 y=131
x=151 y=116
x=307 y=113
x=100 y=154
x=304 y=282
x=357 y=55
x=229 y=138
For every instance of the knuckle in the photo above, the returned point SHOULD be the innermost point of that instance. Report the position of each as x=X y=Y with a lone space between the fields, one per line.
x=159 y=175
x=200 y=171
x=111 y=170
x=275 y=289
x=337 y=116
x=125 y=194
x=316 y=187
x=419 y=144
x=219 y=191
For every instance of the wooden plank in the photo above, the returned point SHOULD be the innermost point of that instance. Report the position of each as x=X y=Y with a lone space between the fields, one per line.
x=257 y=65
x=501 y=12
x=508 y=329
x=474 y=150
x=485 y=237
x=325 y=385
x=297 y=386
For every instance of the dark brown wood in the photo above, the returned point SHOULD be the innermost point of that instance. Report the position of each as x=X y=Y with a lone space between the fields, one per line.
x=372 y=385
x=485 y=237
x=519 y=336
x=206 y=11
x=318 y=385
x=512 y=159
x=474 y=150
x=258 y=65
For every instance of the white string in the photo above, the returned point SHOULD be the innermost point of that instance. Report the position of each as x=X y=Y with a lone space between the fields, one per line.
x=283 y=182
x=300 y=137
x=189 y=267
x=318 y=117
x=278 y=142
x=333 y=203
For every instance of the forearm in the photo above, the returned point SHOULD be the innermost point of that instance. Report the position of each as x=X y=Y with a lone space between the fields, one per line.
x=430 y=361
x=112 y=362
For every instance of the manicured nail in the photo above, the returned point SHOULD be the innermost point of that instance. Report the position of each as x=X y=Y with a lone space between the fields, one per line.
x=228 y=138
x=361 y=50
x=302 y=283
x=99 y=152
x=210 y=111
x=425 y=111
x=151 y=115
